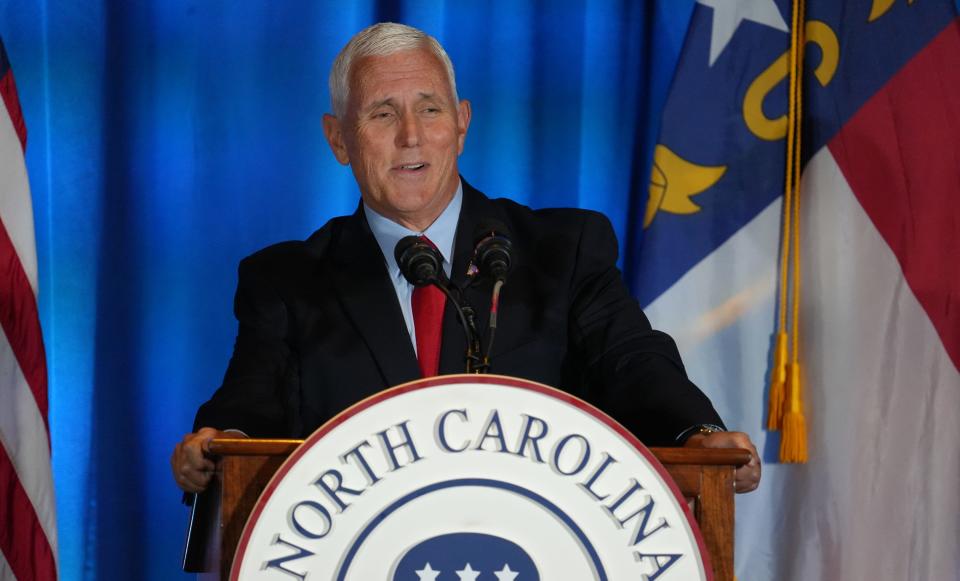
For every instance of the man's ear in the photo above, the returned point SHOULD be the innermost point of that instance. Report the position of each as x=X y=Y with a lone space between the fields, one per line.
x=333 y=130
x=463 y=123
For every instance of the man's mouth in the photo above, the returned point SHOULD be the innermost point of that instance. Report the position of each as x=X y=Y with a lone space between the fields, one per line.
x=411 y=166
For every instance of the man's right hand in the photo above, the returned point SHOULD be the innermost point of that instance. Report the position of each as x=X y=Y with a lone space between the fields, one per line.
x=191 y=460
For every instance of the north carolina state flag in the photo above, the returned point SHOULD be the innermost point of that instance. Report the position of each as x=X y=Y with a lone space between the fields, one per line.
x=880 y=294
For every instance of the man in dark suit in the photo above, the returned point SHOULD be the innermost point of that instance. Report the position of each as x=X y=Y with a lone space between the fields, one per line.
x=329 y=321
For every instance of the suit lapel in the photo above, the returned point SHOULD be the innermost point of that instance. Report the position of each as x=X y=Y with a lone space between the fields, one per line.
x=476 y=207
x=370 y=301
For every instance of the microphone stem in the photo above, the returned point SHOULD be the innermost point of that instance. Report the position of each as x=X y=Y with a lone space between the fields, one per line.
x=492 y=325
x=468 y=329
x=474 y=364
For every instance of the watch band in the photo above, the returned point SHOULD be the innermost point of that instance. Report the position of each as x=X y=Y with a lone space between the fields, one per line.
x=705 y=429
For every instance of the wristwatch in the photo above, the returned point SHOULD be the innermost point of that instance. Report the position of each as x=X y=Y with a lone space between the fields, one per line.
x=705 y=429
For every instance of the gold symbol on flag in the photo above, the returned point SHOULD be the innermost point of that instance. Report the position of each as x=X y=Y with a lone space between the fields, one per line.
x=674 y=180
x=880 y=7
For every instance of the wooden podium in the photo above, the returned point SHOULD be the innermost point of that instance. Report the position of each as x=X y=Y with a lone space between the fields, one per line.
x=705 y=478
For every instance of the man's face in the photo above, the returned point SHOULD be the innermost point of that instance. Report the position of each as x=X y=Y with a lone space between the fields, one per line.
x=401 y=135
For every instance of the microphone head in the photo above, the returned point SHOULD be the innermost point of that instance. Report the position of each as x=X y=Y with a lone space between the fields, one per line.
x=493 y=251
x=419 y=261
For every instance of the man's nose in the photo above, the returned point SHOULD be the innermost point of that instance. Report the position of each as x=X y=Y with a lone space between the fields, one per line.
x=409 y=133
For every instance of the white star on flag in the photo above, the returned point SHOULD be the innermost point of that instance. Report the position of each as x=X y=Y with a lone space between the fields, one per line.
x=505 y=574
x=427 y=573
x=728 y=14
x=468 y=574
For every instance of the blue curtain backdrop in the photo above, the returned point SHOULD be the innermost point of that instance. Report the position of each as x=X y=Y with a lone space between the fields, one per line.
x=170 y=138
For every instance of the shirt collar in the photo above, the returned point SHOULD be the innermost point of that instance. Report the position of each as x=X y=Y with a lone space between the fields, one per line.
x=442 y=232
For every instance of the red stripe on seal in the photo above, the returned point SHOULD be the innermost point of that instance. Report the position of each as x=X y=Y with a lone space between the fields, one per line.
x=24 y=544
x=8 y=91
x=900 y=154
x=21 y=323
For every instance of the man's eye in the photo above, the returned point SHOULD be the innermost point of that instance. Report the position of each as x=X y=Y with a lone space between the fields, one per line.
x=431 y=110
x=383 y=115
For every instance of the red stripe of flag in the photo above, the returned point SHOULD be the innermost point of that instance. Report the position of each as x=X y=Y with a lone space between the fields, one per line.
x=22 y=539
x=21 y=322
x=8 y=92
x=900 y=154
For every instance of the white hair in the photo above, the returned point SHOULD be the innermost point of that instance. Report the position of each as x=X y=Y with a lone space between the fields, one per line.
x=382 y=39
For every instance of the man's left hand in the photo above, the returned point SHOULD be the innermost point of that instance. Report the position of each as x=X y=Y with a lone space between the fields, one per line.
x=747 y=477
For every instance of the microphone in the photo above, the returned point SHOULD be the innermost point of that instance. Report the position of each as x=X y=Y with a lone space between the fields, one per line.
x=493 y=257
x=419 y=261
x=422 y=264
x=493 y=251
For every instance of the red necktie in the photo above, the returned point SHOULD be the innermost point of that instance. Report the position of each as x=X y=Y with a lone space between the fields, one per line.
x=428 y=302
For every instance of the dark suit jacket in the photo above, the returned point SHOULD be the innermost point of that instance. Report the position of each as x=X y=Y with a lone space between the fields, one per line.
x=321 y=328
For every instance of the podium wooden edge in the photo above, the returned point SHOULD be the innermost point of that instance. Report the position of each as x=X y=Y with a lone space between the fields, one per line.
x=704 y=477
x=667 y=456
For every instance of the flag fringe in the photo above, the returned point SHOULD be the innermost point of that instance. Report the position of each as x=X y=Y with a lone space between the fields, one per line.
x=778 y=379
x=793 y=442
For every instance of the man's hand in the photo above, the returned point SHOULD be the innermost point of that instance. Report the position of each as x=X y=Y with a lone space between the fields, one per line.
x=747 y=477
x=191 y=462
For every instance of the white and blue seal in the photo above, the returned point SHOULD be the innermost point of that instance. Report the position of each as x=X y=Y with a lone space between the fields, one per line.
x=471 y=478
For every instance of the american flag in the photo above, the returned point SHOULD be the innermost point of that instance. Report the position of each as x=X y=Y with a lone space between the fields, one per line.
x=28 y=534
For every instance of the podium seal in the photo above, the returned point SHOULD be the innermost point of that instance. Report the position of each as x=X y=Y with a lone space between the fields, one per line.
x=471 y=478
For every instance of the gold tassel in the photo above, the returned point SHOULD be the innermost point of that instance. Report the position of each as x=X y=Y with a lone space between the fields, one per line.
x=786 y=396
x=778 y=375
x=778 y=379
x=793 y=442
